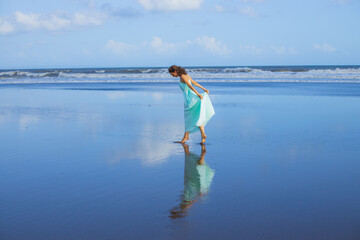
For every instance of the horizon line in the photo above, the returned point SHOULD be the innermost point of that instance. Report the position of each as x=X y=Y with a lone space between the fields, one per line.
x=200 y=66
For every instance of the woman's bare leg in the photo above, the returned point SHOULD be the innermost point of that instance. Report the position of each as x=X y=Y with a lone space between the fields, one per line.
x=203 y=135
x=185 y=138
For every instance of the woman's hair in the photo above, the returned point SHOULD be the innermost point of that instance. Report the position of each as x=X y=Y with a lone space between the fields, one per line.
x=180 y=71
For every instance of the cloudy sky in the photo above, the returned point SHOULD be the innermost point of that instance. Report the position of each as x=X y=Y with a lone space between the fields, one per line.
x=134 y=33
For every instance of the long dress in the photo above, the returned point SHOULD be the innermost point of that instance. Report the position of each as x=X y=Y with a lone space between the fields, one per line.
x=197 y=112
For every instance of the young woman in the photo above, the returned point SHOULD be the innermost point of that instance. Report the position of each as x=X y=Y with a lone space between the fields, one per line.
x=198 y=108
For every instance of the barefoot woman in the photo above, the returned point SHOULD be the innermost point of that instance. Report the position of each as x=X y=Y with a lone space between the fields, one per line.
x=198 y=107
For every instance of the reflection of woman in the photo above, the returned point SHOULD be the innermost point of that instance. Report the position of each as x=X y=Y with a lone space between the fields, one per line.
x=197 y=180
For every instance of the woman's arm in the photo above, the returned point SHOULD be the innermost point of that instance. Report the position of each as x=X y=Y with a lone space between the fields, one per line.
x=183 y=77
x=198 y=85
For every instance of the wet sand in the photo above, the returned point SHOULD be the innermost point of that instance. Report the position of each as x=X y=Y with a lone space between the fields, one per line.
x=97 y=161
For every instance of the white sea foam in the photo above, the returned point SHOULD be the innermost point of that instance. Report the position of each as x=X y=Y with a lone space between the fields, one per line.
x=336 y=71
x=8 y=73
x=172 y=81
x=203 y=74
x=238 y=70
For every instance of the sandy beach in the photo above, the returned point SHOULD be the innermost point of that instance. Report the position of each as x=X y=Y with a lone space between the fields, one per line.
x=97 y=161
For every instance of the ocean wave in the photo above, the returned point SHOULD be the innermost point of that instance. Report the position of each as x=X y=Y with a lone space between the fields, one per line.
x=32 y=81
x=251 y=75
x=199 y=73
x=25 y=74
x=335 y=71
x=238 y=70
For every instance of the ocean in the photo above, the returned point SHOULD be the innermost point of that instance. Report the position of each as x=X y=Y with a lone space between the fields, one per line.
x=339 y=74
x=90 y=154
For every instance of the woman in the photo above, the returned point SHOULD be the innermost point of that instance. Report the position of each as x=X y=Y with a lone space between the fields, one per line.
x=198 y=107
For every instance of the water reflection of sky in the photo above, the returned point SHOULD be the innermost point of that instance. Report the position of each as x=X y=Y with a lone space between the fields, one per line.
x=153 y=146
x=103 y=163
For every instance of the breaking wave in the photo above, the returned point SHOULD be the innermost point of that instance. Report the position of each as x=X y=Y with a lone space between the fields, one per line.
x=203 y=74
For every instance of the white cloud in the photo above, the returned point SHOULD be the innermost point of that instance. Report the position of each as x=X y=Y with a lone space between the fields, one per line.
x=162 y=47
x=325 y=47
x=53 y=22
x=252 y=49
x=283 y=50
x=170 y=5
x=31 y=20
x=210 y=44
x=249 y=11
x=119 y=47
x=5 y=27
x=158 y=45
x=269 y=50
x=219 y=8
x=81 y=19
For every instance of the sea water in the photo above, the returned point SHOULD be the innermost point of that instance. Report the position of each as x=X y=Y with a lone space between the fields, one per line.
x=83 y=158
x=342 y=74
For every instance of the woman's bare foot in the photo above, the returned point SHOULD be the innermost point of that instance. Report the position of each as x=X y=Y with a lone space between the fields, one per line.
x=183 y=140
x=203 y=138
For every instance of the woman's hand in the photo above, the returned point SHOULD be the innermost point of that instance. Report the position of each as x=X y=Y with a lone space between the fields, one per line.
x=200 y=96
x=207 y=91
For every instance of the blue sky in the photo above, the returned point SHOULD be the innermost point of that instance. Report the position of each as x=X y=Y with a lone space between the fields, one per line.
x=134 y=33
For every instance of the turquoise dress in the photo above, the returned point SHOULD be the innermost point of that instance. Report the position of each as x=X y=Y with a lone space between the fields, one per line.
x=197 y=111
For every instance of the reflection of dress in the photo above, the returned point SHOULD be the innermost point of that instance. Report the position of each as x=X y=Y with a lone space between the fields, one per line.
x=197 y=177
x=197 y=111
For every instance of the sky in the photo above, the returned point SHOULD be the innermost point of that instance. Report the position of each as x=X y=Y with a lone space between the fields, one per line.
x=158 y=33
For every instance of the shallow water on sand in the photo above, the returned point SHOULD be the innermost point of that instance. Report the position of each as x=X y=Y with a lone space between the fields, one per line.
x=97 y=161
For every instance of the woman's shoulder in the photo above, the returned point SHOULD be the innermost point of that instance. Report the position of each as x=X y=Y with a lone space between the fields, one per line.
x=184 y=77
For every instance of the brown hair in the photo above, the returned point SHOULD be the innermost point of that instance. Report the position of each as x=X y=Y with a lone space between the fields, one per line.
x=180 y=71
